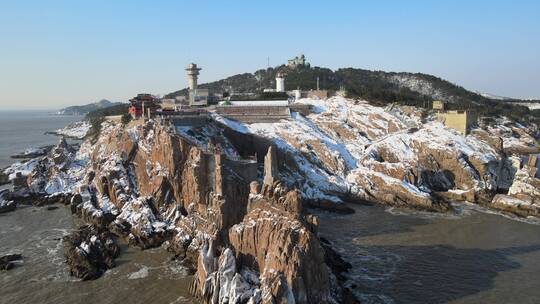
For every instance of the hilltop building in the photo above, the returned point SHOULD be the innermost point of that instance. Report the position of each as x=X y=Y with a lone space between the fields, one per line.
x=459 y=120
x=297 y=61
x=270 y=106
x=192 y=74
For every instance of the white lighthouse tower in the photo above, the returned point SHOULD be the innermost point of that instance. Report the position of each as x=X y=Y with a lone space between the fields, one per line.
x=197 y=97
x=192 y=73
x=280 y=82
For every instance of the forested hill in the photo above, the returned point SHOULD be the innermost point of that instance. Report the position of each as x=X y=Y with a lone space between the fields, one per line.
x=378 y=87
x=84 y=109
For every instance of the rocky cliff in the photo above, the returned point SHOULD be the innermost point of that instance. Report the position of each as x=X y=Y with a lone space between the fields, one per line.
x=350 y=150
x=230 y=198
x=154 y=184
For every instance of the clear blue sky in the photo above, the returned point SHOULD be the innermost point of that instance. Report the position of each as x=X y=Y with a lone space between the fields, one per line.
x=56 y=53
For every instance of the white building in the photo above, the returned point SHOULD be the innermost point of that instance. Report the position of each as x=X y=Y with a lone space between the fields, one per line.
x=192 y=74
x=197 y=97
x=280 y=82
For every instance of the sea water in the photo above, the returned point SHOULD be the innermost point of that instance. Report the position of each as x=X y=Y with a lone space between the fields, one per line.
x=474 y=256
x=140 y=276
x=148 y=276
x=20 y=130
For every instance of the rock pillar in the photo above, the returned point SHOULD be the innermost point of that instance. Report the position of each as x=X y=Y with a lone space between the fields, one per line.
x=270 y=167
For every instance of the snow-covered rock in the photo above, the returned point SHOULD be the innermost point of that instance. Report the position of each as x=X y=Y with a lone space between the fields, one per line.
x=349 y=149
x=76 y=130
x=61 y=171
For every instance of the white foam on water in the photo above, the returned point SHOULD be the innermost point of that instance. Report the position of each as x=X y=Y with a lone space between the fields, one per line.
x=462 y=209
x=172 y=270
x=140 y=274
x=180 y=299
x=459 y=214
x=528 y=220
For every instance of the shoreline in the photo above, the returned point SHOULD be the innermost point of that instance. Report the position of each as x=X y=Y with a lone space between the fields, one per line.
x=107 y=190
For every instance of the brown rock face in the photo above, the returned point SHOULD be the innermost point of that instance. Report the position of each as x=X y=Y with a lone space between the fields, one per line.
x=375 y=187
x=272 y=254
x=178 y=173
x=496 y=142
x=270 y=167
x=288 y=256
x=151 y=183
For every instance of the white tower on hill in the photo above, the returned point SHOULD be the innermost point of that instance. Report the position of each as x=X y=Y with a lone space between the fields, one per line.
x=192 y=73
x=280 y=82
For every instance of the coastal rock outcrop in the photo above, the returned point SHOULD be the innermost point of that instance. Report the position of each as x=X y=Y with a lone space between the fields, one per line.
x=273 y=255
x=6 y=204
x=350 y=150
x=152 y=183
x=199 y=189
x=6 y=261
x=523 y=197
x=287 y=255
x=89 y=252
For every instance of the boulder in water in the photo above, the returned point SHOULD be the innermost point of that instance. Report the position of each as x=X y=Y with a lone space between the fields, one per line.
x=90 y=252
x=5 y=204
x=6 y=261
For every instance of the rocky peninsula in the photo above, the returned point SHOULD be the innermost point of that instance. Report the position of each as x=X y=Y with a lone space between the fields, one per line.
x=232 y=200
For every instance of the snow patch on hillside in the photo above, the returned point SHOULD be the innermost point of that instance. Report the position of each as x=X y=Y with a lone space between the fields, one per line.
x=342 y=139
x=76 y=130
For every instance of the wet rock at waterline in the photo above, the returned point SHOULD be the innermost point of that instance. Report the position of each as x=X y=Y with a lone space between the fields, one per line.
x=89 y=252
x=6 y=261
x=7 y=206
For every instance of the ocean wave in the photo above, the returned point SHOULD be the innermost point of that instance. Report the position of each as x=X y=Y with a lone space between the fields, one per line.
x=528 y=220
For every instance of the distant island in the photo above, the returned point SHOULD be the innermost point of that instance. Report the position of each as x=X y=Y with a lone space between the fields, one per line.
x=85 y=109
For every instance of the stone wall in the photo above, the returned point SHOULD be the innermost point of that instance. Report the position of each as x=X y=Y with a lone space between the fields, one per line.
x=253 y=114
x=193 y=120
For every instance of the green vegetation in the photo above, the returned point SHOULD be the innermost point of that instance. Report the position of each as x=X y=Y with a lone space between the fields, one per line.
x=119 y=109
x=84 y=109
x=377 y=87
x=126 y=118
x=95 y=128
x=97 y=117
